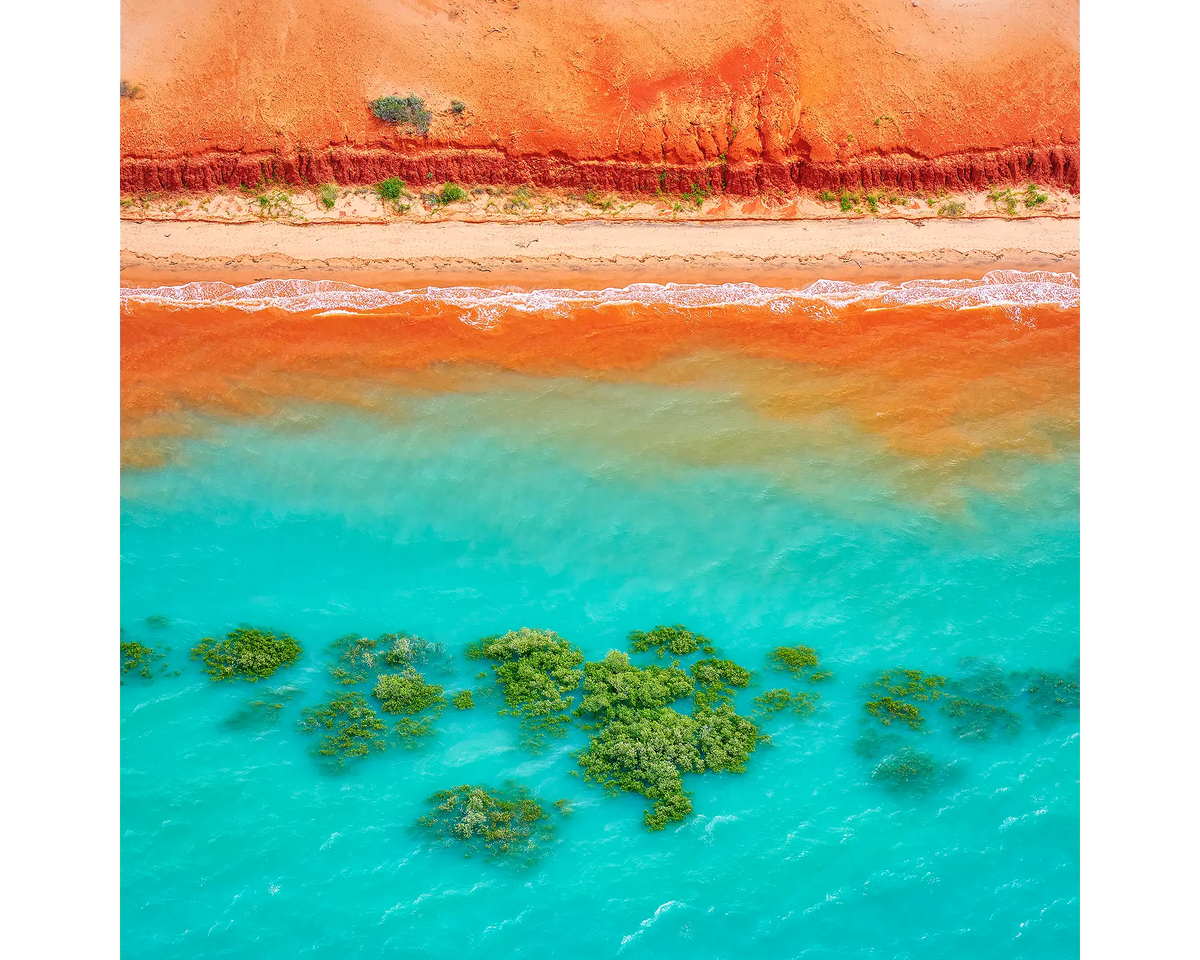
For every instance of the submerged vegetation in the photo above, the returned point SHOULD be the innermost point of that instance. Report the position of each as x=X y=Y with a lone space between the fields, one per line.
x=976 y=703
x=536 y=669
x=510 y=824
x=247 y=653
x=907 y=769
x=1049 y=695
x=351 y=728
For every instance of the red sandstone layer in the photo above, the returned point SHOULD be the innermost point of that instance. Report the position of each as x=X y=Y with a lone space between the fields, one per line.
x=1058 y=166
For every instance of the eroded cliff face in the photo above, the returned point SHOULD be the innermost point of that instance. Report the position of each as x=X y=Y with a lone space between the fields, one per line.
x=746 y=97
x=1057 y=165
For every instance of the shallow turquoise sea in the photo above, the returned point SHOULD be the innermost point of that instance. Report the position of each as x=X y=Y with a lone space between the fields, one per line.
x=594 y=508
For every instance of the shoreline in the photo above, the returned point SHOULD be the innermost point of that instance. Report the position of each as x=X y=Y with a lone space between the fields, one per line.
x=543 y=253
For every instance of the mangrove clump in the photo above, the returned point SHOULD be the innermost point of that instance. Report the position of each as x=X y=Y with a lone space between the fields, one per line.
x=463 y=700
x=247 y=653
x=510 y=824
x=803 y=704
x=357 y=658
x=404 y=650
x=646 y=751
x=613 y=684
x=794 y=660
x=537 y=670
x=139 y=657
x=678 y=639
x=351 y=728
x=408 y=694
x=643 y=745
x=716 y=680
x=901 y=688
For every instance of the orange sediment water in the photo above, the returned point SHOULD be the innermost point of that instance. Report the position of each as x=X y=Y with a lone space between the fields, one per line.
x=935 y=370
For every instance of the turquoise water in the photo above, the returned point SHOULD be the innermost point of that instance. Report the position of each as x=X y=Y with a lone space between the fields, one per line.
x=593 y=509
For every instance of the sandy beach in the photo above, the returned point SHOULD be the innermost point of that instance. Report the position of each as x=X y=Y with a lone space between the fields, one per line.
x=490 y=253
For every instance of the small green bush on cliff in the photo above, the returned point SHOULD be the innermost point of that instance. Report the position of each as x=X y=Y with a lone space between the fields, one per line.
x=390 y=189
x=408 y=110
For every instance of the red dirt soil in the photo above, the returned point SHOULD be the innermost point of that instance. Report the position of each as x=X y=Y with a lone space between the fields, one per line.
x=746 y=97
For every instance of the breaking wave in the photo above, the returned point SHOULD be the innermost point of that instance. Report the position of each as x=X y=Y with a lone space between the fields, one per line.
x=483 y=305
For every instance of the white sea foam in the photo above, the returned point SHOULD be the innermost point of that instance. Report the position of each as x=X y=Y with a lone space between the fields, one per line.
x=484 y=306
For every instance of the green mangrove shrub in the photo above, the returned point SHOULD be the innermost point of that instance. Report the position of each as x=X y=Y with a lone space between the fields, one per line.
x=139 y=657
x=247 y=653
x=715 y=681
x=349 y=728
x=795 y=660
x=510 y=824
x=901 y=688
x=771 y=702
x=537 y=670
x=463 y=700
x=357 y=658
x=642 y=745
x=614 y=684
x=678 y=639
x=405 y=650
x=408 y=110
x=646 y=752
x=409 y=695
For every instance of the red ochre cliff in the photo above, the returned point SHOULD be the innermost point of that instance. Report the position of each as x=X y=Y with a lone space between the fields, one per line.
x=757 y=96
